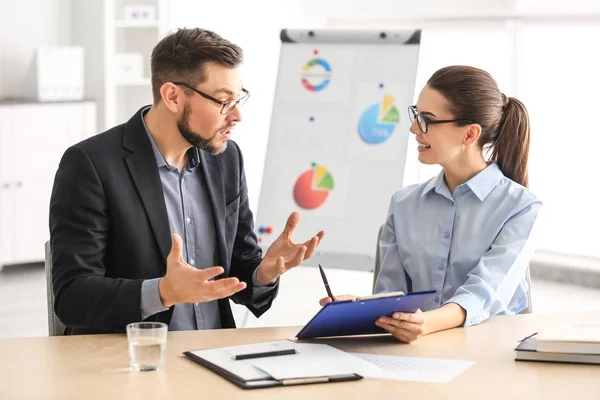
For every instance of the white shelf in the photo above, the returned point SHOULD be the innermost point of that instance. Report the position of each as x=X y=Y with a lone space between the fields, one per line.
x=117 y=34
x=136 y=24
x=136 y=82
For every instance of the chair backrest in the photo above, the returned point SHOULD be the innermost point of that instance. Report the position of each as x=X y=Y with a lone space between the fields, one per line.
x=377 y=259
x=55 y=327
x=377 y=269
x=529 y=308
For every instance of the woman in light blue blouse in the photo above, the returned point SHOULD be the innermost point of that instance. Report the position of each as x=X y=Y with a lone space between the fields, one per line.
x=467 y=232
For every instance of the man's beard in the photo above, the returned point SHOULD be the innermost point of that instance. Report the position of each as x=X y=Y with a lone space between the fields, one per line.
x=193 y=138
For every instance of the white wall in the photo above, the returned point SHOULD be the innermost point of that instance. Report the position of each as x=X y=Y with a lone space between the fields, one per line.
x=416 y=10
x=245 y=23
x=87 y=30
x=24 y=26
x=404 y=9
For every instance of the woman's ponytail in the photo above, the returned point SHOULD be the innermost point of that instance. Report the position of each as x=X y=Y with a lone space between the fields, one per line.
x=510 y=148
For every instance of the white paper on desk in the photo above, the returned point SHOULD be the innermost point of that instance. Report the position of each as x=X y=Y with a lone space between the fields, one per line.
x=224 y=357
x=415 y=368
x=314 y=360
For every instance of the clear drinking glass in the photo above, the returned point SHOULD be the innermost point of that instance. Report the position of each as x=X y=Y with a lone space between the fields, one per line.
x=147 y=345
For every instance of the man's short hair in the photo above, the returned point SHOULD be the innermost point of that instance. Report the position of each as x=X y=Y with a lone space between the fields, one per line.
x=182 y=55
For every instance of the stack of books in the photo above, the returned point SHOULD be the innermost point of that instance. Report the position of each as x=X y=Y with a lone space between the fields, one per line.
x=575 y=343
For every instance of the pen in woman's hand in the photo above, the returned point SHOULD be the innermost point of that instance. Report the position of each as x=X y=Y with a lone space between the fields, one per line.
x=326 y=283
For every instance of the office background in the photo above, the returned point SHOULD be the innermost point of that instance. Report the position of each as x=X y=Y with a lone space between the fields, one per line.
x=542 y=51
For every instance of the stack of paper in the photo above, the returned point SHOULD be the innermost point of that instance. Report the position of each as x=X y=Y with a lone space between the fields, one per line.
x=321 y=360
x=311 y=360
x=315 y=360
x=415 y=368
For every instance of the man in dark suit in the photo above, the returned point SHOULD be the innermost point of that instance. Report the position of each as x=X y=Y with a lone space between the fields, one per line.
x=141 y=214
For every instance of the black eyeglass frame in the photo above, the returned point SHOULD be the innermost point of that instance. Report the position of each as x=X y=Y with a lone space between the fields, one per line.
x=232 y=103
x=414 y=114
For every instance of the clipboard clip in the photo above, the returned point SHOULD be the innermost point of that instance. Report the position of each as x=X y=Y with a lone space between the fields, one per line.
x=300 y=381
x=320 y=379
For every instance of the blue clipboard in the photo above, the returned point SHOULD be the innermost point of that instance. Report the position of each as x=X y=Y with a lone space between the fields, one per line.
x=357 y=317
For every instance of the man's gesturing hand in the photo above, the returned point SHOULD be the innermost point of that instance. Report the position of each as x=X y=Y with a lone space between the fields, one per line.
x=186 y=284
x=284 y=254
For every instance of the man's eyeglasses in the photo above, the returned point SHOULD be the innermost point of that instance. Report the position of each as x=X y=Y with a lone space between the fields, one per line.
x=424 y=123
x=226 y=106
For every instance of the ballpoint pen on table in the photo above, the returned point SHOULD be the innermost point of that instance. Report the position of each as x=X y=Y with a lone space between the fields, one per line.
x=265 y=354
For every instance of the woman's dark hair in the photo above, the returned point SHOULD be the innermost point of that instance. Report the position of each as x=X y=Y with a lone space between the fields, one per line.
x=474 y=95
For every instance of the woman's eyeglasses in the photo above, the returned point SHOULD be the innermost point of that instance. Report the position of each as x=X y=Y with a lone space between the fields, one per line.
x=424 y=123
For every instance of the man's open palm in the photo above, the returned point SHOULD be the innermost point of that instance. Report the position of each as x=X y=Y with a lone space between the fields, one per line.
x=284 y=254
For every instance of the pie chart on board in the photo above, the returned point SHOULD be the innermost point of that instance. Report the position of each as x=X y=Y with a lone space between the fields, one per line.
x=312 y=187
x=378 y=121
x=316 y=75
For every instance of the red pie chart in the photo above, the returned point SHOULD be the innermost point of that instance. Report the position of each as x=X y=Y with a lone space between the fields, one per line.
x=312 y=187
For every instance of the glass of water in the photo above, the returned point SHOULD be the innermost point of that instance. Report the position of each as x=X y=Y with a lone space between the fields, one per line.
x=147 y=345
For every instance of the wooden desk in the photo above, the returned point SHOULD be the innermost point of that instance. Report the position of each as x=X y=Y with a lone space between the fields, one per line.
x=96 y=367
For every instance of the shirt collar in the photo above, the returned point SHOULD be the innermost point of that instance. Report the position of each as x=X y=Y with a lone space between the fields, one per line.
x=192 y=153
x=481 y=184
x=485 y=181
x=438 y=184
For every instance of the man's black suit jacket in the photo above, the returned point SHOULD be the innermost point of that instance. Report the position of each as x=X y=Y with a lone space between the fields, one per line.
x=109 y=229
